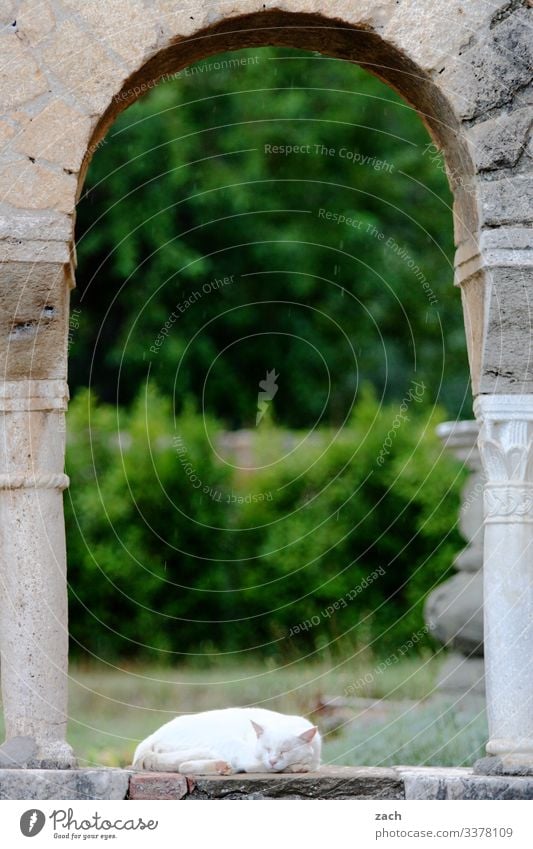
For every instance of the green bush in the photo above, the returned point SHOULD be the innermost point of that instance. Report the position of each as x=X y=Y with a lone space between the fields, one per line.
x=140 y=560
x=331 y=548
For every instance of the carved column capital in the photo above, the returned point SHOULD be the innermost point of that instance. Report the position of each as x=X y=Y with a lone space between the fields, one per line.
x=506 y=449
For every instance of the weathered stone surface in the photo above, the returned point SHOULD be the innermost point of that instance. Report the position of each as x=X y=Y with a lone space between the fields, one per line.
x=29 y=185
x=7 y=131
x=507 y=201
x=58 y=134
x=17 y=752
x=35 y=20
x=328 y=783
x=47 y=225
x=7 y=13
x=508 y=333
x=373 y=783
x=20 y=77
x=127 y=28
x=498 y=143
x=33 y=320
x=435 y=30
x=512 y=36
x=83 y=66
x=498 y=766
x=482 y=79
x=157 y=785
x=64 y=784
x=446 y=783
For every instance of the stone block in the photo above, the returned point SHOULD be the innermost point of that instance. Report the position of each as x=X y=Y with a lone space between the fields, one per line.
x=20 y=77
x=48 y=225
x=58 y=134
x=499 y=766
x=64 y=784
x=512 y=37
x=508 y=332
x=507 y=201
x=158 y=785
x=35 y=20
x=431 y=783
x=327 y=783
x=499 y=142
x=127 y=27
x=33 y=321
x=29 y=185
x=481 y=79
x=83 y=67
x=434 y=30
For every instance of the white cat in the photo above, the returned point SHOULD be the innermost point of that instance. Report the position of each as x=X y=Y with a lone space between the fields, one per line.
x=232 y=740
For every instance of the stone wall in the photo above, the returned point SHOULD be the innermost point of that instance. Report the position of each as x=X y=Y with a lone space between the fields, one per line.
x=328 y=783
x=69 y=67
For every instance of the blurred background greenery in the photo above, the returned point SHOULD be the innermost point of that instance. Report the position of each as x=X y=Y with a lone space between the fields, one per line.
x=196 y=537
x=183 y=192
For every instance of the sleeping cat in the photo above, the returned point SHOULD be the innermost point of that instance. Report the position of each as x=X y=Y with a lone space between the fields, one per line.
x=232 y=740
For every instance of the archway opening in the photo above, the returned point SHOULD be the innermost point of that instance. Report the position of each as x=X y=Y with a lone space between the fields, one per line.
x=280 y=254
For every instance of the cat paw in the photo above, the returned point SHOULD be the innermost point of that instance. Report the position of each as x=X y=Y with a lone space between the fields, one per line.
x=147 y=762
x=224 y=768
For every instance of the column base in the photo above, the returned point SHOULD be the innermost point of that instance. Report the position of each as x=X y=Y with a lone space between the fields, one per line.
x=521 y=765
x=54 y=755
x=26 y=753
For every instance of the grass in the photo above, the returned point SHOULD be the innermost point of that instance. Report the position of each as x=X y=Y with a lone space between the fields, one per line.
x=112 y=708
x=432 y=734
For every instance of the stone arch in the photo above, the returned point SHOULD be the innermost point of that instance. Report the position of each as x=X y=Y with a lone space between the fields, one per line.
x=68 y=68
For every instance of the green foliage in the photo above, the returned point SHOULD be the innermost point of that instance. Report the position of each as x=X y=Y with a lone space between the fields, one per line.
x=185 y=191
x=210 y=254
x=171 y=550
x=137 y=543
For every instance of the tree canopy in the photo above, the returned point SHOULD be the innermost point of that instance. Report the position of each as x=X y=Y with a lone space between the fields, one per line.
x=268 y=209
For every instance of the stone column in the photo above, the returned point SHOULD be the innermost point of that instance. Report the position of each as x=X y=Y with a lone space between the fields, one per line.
x=454 y=609
x=505 y=444
x=33 y=590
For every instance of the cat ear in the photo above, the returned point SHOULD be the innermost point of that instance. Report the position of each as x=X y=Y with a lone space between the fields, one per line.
x=308 y=735
x=259 y=730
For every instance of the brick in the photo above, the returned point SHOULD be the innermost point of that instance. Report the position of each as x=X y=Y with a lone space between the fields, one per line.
x=157 y=785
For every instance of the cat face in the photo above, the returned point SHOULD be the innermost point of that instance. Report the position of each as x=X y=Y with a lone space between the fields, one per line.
x=277 y=751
